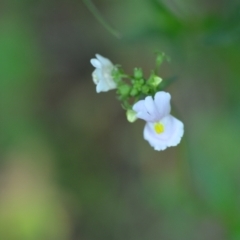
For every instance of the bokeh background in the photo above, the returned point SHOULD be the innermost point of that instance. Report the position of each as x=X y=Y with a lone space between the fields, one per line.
x=72 y=167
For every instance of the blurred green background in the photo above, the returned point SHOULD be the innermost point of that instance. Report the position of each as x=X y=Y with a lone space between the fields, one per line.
x=72 y=167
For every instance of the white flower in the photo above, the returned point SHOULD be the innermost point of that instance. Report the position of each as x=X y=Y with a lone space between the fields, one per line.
x=102 y=74
x=162 y=130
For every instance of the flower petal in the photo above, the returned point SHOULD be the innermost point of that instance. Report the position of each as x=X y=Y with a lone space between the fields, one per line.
x=140 y=108
x=150 y=106
x=146 y=109
x=153 y=110
x=150 y=135
x=177 y=132
x=162 y=102
x=102 y=85
x=173 y=132
x=103 y=60
x=96 y=63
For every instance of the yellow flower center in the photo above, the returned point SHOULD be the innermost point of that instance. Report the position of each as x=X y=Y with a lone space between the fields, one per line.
x=159 y=128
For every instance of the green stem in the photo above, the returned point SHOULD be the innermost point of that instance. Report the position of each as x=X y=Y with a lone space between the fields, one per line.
x=92 y=8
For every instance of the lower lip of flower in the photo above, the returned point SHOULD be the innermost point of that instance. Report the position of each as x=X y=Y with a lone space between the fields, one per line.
x=159 y=128
x=95 y=79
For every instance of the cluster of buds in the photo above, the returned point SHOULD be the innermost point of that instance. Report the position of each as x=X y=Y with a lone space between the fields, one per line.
x=141 y=98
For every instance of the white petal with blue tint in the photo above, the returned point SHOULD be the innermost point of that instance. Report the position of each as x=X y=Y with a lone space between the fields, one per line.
x=162 y=130
x=162 y=102
x=102 y=75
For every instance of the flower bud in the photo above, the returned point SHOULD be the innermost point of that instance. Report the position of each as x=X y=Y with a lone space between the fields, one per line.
x=124 y=90
x=145 y=89
x=131 y=115
x=138 y=74
x=156 y=81
x=134 y=92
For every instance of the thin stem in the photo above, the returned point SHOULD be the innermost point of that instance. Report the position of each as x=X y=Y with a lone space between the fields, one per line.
x=92 y=8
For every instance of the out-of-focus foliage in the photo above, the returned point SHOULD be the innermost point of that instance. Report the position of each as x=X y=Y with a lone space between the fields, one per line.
x=72 y=167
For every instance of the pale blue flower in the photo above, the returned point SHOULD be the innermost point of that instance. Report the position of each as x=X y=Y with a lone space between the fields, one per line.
x=162 y=130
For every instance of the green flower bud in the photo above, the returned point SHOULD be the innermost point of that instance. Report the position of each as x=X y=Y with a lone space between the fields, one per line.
x=131 y=115
x=133 y=92
x=156 y=81
x=124 y=90
x=145 y=89
x=138 y=74
x=138 y=84
x=141 y=81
